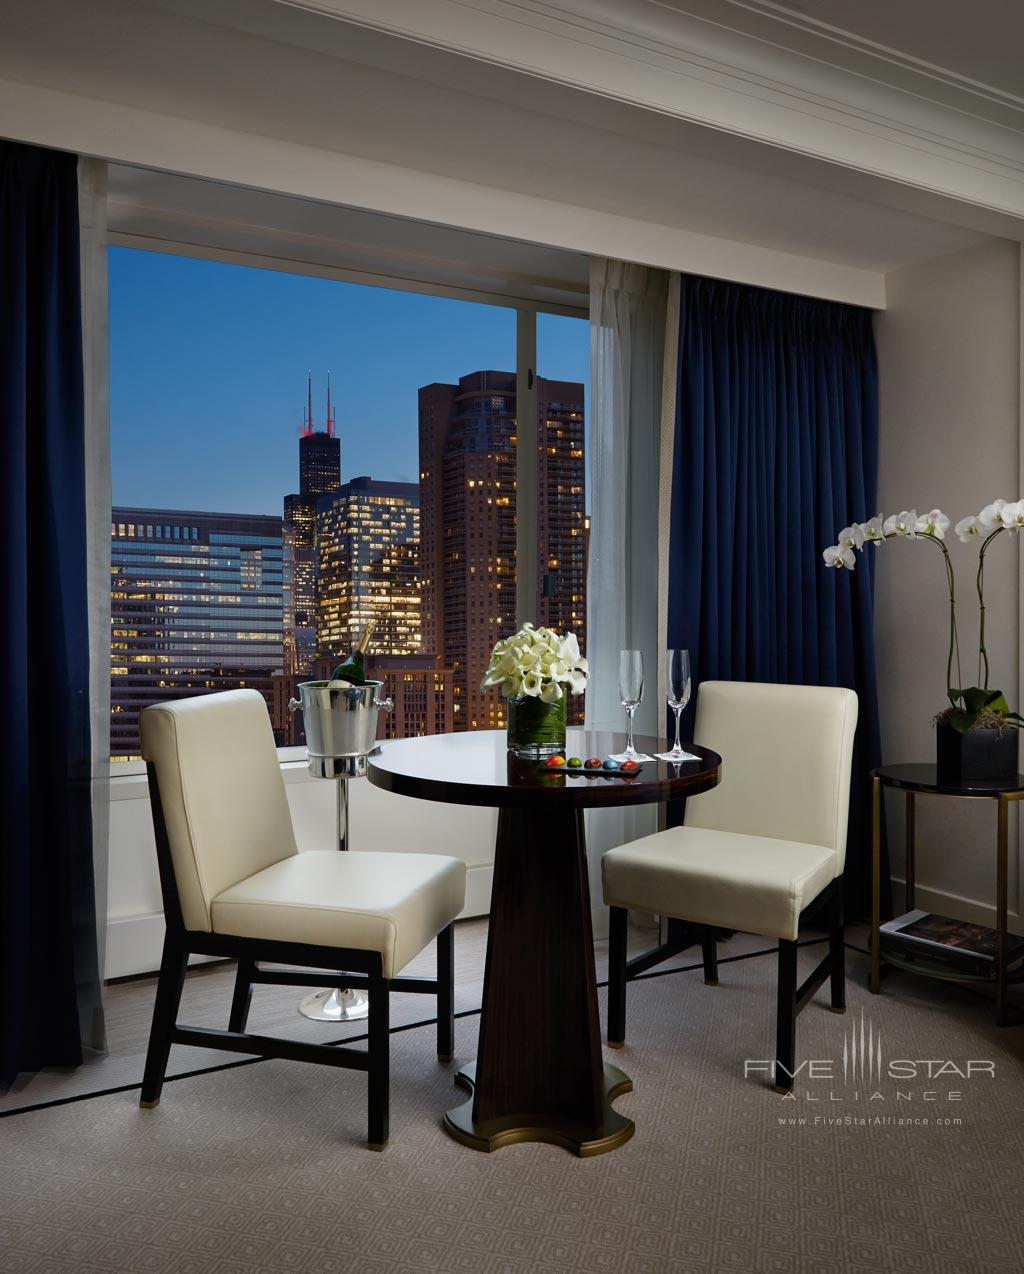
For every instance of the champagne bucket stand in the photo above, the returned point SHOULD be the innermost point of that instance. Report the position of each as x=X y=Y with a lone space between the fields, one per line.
x=341 y=730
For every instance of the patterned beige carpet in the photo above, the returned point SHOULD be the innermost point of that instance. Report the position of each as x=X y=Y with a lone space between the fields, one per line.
x=260 y=1168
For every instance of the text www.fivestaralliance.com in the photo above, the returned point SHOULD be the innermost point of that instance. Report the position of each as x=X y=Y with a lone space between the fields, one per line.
x=866 y=1121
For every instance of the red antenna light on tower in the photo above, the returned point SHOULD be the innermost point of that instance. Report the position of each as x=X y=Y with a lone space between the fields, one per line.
x=307 y=425
x=330 y=417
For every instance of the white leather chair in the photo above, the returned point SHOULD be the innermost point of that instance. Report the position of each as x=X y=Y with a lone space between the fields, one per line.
x=754 y=853
x=235 y=885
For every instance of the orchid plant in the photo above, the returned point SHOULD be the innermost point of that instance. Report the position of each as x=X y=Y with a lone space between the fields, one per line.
x=972 y=706
x=537 y=663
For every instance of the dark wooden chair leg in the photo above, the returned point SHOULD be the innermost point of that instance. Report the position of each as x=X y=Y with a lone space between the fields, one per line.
x=378 y=1077
x=837 y=951
x=785 y=1026
x=446 y=994
x=242 y=996
x=173 y=965
x=709 y=950
x=617 y=918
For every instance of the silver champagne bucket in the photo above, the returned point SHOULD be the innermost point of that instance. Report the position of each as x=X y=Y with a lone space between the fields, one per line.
x=341 y=725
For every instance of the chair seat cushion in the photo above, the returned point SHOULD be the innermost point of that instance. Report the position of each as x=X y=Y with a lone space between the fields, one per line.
x=727 y=879
x=391 y=903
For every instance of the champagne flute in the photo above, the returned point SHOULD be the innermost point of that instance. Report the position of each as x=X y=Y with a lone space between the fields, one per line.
x=678 y=688
x=631 y=692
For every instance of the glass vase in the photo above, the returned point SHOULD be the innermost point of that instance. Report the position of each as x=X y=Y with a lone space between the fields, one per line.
x=535 y=728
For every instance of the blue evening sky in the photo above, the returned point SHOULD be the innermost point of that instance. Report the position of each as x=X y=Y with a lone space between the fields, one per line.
x=208 y=368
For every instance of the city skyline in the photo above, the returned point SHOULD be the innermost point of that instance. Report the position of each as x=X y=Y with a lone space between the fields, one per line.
x=341 y=474
x=220 y=365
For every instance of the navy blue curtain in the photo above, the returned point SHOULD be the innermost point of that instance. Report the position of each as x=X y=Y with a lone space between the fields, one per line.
x=49 y=978
x=776 y=450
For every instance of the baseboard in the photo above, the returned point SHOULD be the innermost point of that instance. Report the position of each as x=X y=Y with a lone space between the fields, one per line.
x=134 y=943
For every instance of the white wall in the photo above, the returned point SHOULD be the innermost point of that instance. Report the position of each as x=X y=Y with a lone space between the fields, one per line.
x=949 y=365
x=378 y=821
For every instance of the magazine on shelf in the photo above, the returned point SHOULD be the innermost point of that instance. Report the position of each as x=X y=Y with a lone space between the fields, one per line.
x=955 y=939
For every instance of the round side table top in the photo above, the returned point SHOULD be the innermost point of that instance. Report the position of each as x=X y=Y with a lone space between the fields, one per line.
x=923 y=777
x=475 y=768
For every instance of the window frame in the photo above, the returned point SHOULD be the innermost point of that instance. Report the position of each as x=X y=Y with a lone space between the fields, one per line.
x=526 y=311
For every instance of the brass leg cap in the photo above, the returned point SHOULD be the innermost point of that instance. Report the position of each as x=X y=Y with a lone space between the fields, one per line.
x=711 y=982
x=444 y=1058
x=835 y=1010
x=149 y=1105
x=778 y=1088
x=376 y=1145
x=616 y=1043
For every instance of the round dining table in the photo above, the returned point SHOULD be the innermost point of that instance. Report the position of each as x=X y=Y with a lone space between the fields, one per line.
x=539 y=1073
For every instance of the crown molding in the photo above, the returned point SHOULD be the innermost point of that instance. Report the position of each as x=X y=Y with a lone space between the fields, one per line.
x=748 y=68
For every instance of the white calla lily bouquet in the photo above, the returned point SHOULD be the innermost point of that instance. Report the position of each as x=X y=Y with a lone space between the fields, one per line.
x=972 y=706
x=537 y=663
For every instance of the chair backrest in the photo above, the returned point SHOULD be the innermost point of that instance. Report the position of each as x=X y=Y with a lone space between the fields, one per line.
x=221 y=792
x=786 y=758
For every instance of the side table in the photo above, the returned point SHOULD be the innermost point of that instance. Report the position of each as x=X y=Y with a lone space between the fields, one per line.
x=921 y=779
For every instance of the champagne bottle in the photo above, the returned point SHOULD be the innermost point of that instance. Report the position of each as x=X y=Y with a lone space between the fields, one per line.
x=353 y=670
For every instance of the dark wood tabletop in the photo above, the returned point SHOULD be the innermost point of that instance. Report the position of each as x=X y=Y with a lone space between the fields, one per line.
x=475 y=768
x=922 y=777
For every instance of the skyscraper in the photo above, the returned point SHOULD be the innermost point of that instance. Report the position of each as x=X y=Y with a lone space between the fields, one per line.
x=467 y=525
x=196 y=604
x=319 y=475
x=367 y=555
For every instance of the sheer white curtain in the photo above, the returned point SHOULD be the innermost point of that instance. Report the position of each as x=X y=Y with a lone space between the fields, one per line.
x=627 y=356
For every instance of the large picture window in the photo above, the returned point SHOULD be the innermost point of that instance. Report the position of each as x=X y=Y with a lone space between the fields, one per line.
x=295 y=457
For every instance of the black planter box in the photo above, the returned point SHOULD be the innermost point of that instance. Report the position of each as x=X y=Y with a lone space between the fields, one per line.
x=976 y=756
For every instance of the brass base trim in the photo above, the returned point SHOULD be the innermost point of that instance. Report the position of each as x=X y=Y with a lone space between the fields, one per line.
x=777 y=1088
x=149 y=1105
x=489 y=1135
x=616 y=1043
x=832 y=1010
x=444 y=1058
x=376 y=1145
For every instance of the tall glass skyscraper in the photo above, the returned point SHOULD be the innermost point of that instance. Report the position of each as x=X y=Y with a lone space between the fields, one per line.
x=468 y=526
x=368 y=567
x=319 y=475
x=196 y=604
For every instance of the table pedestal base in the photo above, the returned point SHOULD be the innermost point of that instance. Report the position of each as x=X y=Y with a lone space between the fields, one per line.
x=540 y=1074
x=491 y=1134
x=343 y=1004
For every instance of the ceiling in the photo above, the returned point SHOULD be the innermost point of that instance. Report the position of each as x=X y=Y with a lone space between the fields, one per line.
x=325 y=86
x=976 y=40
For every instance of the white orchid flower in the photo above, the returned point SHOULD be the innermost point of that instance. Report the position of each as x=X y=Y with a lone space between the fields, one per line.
x=968 y=529
x=851 y=537
x=838 y=557
x=1012 y=515
x=901 y=523
x=872 y=531
x=551 y=692
x=934 y=524
x=991 y=515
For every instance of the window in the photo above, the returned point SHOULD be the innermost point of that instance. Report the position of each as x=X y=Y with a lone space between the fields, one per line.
x=263 y=514
x=563 y=509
